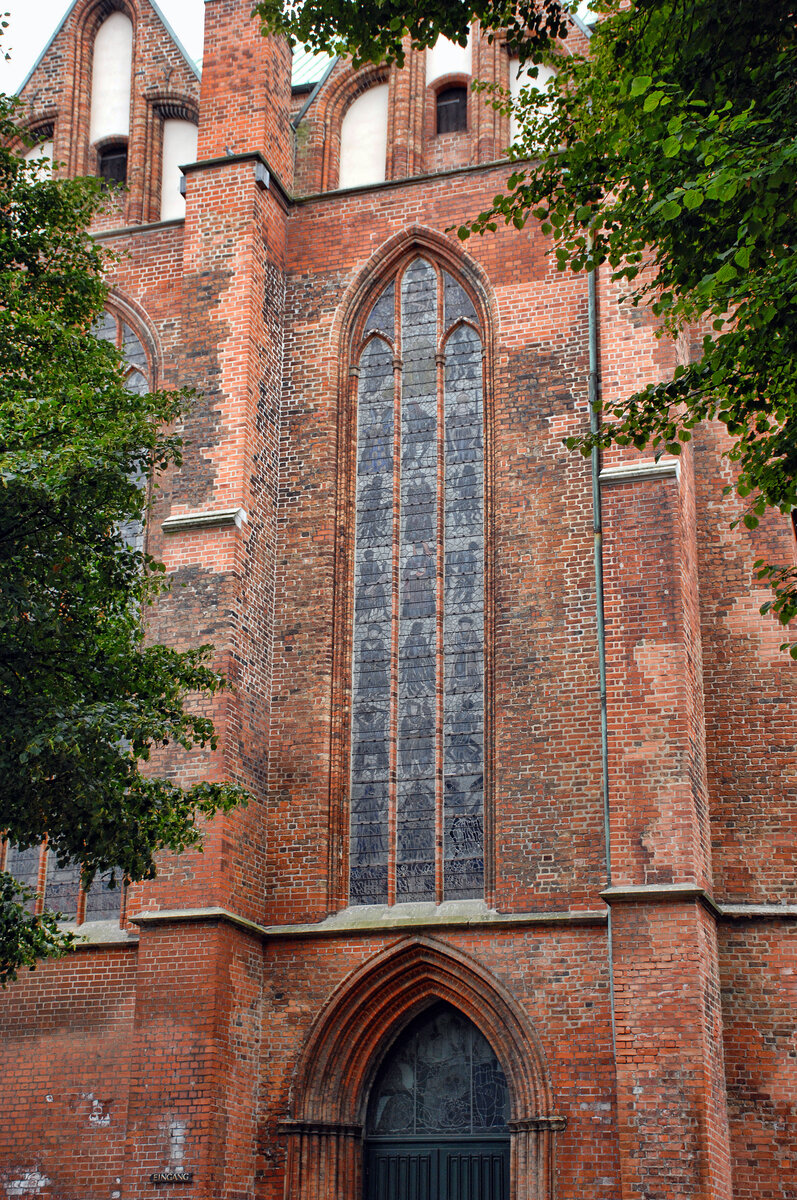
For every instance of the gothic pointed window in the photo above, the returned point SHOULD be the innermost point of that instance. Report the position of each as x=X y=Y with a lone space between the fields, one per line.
x=417 y=739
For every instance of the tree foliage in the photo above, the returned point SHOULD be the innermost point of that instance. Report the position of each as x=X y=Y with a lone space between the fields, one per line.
x=668 y=156
x=376 y=30
x=84 y=699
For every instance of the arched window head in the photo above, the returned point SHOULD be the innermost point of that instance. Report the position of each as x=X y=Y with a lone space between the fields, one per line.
x=448 y=58
x=417 y=740
x=111 y=79
x=179 y=146
x=363 y=139
x=452 y=109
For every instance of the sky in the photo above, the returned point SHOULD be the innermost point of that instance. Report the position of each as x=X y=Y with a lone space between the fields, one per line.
x=31 y=24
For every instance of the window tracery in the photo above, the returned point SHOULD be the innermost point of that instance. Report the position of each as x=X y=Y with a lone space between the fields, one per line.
x=440 y=1077
x=417 y=745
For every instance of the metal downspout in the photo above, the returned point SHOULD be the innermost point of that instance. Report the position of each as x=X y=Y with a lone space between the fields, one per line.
x=597 y=528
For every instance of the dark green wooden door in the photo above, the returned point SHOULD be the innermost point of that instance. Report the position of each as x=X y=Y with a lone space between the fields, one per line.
x=421 y=1169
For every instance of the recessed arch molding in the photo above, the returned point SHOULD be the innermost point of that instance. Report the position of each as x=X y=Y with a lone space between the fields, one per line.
x=350 y=1037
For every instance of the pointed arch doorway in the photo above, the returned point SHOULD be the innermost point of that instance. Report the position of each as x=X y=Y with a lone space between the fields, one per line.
x=340 y=1066
x=437 y=1120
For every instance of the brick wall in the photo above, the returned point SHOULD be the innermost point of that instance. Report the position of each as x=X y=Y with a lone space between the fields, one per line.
x=189 y=1039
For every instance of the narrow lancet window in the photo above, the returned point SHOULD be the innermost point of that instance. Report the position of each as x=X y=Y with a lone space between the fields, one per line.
x=417 y=757
x=111 y=79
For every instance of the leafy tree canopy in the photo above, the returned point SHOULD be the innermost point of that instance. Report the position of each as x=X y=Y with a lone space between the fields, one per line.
x=668 y=154
x=376 y=30
x=83 y=698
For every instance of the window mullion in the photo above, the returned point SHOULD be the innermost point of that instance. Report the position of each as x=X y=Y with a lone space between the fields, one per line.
x=440 y=653
x=394 y=613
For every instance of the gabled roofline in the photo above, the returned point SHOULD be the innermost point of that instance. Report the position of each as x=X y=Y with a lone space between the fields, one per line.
x=194 y=68
x=153 y=5
x=47 y=46
x=315 y=90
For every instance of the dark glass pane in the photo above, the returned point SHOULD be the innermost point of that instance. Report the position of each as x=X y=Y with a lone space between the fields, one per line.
x=417 y=665
x=438 y=606
x=440 y=1077
x=443 y=1100
x=24 y=866
x=373 y=593
x=105 y=327
x=103 y=902
x=452 y=109
x=132 y=349
x=463 y=722
x=136 y=383
x=490 y=1093
x=113 y=165
x=457 y=302
x=382 y=315
x=63 y=885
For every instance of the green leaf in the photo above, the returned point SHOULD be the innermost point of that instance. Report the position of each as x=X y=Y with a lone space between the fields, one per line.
x=671 y=146
x=640 y=84
x=652 y=101
x=693 y=199
x=726 y=273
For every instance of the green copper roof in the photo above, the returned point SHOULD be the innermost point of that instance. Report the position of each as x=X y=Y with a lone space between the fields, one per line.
x=308 y=66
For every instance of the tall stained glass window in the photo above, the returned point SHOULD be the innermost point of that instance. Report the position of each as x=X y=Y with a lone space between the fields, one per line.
x=417 y=742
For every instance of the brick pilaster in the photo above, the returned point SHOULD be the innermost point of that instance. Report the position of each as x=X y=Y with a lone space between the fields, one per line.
x=671 y=1102
x=246 y=89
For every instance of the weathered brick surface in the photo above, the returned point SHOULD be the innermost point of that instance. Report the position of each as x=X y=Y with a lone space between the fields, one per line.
x=65 y=1054
x=197 y=1042
x=748 y=686
x=759 y=998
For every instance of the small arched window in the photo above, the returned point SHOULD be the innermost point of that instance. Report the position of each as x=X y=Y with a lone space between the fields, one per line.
x=112 y=164
x=452 y=109
x=363 y=139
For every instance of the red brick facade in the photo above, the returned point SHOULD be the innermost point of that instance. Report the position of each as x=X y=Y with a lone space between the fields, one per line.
x=638 y=990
